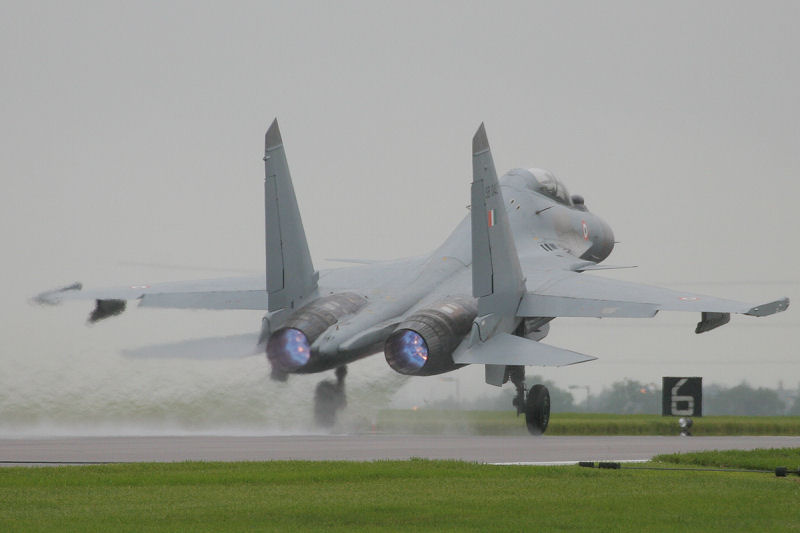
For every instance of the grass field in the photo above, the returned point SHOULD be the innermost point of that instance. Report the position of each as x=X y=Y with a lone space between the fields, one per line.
x=752 y=460
x=507 y=423
x=391 y=496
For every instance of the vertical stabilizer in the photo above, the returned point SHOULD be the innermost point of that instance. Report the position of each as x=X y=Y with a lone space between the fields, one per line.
x=497 y=280
x=496 y=273
x=290 y=274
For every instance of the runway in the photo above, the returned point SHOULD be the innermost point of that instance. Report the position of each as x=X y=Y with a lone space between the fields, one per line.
x=368 y=447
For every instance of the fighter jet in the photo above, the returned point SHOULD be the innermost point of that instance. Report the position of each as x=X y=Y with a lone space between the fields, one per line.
x=486 y=296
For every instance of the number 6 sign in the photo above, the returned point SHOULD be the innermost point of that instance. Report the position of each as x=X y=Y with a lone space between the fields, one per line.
x=682 y=396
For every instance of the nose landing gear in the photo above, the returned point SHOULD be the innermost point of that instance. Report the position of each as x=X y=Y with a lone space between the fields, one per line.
x=534 y=403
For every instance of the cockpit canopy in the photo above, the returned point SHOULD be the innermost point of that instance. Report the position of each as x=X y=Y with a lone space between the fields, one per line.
x=540 y=181
x=550 y=186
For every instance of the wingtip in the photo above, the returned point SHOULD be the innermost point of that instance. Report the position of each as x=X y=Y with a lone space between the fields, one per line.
x=53 y=297
x=771 y=308
x=273 y=136
x=480 y=142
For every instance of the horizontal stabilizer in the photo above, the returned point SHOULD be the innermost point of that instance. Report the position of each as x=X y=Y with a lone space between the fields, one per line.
x=594 y=266
x=252 y=300
x=507 y=349
x=229 y=347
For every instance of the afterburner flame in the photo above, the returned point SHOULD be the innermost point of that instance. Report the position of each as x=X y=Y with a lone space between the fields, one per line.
x=289 y=349
x=407 y=352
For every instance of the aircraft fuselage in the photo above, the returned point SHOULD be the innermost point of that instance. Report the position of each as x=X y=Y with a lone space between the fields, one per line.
x=543 y=226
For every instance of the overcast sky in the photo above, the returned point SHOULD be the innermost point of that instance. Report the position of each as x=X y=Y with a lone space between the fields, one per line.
x=132 y=135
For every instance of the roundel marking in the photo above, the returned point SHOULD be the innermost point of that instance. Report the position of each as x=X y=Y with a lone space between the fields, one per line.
x=585 y=230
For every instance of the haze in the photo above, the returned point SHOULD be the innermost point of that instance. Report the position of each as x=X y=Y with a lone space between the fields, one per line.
x=132 y=140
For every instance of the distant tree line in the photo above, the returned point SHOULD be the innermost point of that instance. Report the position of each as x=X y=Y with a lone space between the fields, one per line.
x=629 y=396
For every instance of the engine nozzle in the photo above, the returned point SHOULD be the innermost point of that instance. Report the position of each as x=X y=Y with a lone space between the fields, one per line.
x=406 y=351
x=288 y=349
x=423 y=344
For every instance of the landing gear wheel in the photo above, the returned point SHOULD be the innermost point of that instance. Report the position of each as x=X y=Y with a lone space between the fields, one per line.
x=537 y=409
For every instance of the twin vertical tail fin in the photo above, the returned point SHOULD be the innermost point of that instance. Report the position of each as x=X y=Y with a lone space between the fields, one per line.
x=497 y=282
x=497 y=279
x=291 y=277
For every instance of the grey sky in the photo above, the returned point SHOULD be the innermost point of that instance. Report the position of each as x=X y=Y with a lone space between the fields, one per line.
x=133 y=133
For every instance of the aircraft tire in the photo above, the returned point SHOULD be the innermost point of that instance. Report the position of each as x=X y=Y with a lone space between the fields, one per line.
x=537 y=410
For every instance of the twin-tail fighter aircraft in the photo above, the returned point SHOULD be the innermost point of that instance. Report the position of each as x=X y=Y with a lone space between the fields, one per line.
x=486 y=296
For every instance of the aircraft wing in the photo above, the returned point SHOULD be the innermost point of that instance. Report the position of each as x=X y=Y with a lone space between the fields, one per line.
x=226 y=293
x=570 y=294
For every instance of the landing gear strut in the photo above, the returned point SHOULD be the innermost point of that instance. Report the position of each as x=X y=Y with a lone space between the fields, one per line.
x=535 y=404
x=329 y=398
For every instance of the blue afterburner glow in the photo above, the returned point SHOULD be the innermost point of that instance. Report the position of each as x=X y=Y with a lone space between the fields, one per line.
x=406 y=352
x=289 y=349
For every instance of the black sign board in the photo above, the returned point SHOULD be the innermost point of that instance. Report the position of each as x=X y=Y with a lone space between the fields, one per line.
x=682 y=397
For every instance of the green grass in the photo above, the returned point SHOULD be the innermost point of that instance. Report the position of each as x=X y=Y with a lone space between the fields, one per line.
x=507 y=423
x=760 y=459
x=389 y=496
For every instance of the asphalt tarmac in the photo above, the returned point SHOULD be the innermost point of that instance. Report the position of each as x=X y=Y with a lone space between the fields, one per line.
x=369 y=447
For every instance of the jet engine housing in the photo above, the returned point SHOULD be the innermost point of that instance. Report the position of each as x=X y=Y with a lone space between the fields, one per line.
x=423 y=344
x=289 y=347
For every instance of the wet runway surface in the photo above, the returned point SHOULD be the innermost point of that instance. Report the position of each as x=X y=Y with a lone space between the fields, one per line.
x=67 y=450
